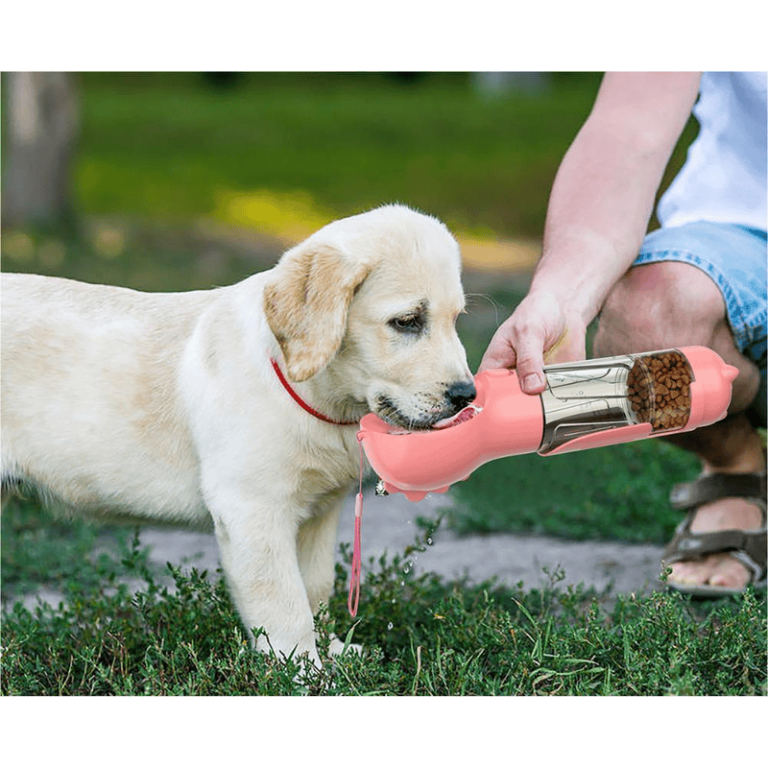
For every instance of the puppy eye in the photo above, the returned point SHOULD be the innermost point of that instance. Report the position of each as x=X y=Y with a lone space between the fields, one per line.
x=408 y=323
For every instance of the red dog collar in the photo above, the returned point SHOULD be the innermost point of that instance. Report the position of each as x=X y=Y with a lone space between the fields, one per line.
x=306 y=406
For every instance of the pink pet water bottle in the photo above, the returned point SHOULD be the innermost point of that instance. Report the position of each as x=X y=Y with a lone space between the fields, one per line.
x=585 y=405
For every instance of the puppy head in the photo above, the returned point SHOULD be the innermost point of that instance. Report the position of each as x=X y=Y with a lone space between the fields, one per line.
x=373 y=300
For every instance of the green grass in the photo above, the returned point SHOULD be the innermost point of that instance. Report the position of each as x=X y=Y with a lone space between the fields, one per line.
x=157 y=154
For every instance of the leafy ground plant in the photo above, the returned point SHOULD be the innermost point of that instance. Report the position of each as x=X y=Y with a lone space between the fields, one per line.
x=420 y=635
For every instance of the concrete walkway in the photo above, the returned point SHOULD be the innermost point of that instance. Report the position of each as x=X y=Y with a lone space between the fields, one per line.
x=389 y=525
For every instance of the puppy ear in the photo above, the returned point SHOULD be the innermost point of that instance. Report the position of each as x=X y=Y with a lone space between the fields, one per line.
x=306 y=302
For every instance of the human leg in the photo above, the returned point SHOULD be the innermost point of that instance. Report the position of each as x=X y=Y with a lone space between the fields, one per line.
x=685 y=300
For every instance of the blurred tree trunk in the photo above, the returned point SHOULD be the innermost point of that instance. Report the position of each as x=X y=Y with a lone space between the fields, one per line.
x=41 y=132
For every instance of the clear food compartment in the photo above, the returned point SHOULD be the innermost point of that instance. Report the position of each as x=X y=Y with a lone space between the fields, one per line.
x=600 y=395
x=659 y=390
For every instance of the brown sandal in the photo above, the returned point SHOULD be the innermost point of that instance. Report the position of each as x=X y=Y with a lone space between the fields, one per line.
x=748 y=547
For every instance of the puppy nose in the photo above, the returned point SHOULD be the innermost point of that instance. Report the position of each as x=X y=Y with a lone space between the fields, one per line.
x=460 y=394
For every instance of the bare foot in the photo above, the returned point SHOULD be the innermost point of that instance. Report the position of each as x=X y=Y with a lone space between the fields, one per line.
x=723 y=570
x=719 y=570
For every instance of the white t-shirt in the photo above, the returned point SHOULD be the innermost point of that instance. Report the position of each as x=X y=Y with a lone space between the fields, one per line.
x=725 y=176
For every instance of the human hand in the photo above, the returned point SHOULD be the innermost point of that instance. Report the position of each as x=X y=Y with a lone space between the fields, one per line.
x=540 y=330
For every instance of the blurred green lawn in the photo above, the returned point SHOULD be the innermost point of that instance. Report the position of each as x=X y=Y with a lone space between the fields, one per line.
x=170 y=145
x=160 y=153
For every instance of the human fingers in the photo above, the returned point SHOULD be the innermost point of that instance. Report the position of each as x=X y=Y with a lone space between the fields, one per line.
x=500 y=352
x=518 y=343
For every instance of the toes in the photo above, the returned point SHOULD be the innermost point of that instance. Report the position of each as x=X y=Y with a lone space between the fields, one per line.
x=715 y=571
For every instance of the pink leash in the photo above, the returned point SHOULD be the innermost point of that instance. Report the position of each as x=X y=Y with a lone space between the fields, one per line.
x=354 y=579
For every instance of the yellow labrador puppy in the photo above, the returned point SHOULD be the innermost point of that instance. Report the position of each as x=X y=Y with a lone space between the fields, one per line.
x=237 y=407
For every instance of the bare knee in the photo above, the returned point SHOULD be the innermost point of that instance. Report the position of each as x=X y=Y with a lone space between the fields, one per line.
x=670 y=304
x=658 y=306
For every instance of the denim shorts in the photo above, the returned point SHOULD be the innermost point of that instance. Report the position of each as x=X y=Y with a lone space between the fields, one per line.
x=735 y=258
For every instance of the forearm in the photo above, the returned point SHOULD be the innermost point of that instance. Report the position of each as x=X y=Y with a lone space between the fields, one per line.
x=598 y=213
x=603 y=196
x=599 y=210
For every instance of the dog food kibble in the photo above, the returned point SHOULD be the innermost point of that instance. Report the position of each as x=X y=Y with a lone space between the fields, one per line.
x=659 y=390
